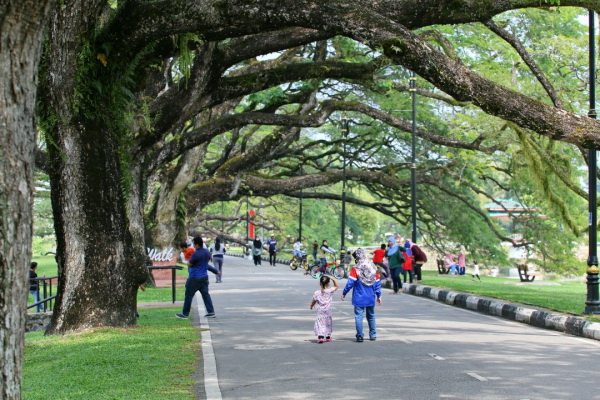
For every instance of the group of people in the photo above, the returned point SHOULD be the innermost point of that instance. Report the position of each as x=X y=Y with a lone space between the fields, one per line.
x=395 y=260
x=364 y=280
x=271 y=247
x=460 y=266
x=257 y=249
x=198 y=258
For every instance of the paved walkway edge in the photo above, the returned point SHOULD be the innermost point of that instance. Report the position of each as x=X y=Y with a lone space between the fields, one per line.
x=543 y=319
x=211 y=379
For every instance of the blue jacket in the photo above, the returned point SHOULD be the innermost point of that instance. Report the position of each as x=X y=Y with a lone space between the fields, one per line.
x=200 y=266
x=362 y=296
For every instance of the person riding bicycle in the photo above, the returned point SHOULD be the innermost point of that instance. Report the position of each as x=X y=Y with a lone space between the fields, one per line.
x=378 y=256
x=325 y=250
x=297 y=249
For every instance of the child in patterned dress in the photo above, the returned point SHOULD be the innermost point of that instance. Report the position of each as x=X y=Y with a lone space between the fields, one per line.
x=324 y=322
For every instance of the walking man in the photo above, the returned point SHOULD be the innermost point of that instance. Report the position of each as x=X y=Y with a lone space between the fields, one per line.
x=34 y=287
x=272 y=245
x=198 y=268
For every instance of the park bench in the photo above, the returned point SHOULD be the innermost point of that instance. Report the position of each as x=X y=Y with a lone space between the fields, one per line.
x=441 y=267
x=524 y=274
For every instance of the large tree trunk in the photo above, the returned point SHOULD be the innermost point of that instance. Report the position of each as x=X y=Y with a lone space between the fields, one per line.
x=97 y=212
x=101 y=263
x=165 y=229
x=22 y=24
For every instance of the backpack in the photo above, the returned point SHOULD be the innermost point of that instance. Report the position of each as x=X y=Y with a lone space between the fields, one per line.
x=401 y=257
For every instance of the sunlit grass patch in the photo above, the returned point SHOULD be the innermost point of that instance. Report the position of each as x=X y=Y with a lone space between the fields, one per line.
x=561 y=296
x=155 y=360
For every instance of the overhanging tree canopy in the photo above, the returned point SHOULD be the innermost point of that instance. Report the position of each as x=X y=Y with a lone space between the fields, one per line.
x=112 y=113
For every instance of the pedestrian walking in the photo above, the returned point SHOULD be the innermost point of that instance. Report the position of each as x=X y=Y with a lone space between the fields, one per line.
x=198 y=268
x=257 y=251
x=475 y=271
x=407 y=265
x=462 y=265
x=395 y=261
x=364 y=282
x=419 y=258
x=323 y=298
x=315 y=250
x=272 y=247
x=346 y=259
x=34 y=286
x=407 y=246
x=217 y=251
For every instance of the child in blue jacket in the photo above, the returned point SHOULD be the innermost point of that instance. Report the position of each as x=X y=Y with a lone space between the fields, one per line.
x=366 y=292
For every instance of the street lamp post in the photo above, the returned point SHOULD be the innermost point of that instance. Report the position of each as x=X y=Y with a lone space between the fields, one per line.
x=413 y=163
x=300 y=211
x=222 y=216
x=413 y=166
x=262 y=219
x=592 y=304
x=247 y=222
x=345 y=132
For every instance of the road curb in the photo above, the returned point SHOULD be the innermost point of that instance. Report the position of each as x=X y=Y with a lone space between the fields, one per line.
x=542 y=319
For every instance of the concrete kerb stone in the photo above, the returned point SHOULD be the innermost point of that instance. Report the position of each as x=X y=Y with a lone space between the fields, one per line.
x=543 y=319
x=524 y=314
x=450 y=296
x=592 y=330
x=473 y=303
x=434 y=293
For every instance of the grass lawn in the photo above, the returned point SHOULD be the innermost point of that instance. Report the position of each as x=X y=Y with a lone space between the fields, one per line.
x=160 y=294
x=155 y=360
x=565 y=296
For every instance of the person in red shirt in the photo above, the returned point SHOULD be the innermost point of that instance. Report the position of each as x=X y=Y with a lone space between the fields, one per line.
x=378 y=260
x=186 y=251
x=407 y=267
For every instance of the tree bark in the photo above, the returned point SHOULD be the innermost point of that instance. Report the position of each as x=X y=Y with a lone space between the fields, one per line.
x=101 y=263
x=22 y=25
x=166 y=230
x=96 y=190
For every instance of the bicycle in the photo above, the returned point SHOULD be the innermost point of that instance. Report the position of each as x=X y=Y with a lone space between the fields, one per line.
x=296 y=262
x=333 y=268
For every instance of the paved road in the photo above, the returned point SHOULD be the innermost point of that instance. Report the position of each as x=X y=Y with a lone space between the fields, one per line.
x=264 y=348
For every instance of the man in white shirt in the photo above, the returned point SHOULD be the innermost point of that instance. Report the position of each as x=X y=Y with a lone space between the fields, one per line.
x=297 y=248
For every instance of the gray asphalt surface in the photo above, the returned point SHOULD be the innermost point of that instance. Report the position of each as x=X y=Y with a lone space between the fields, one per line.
x=264 y=347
